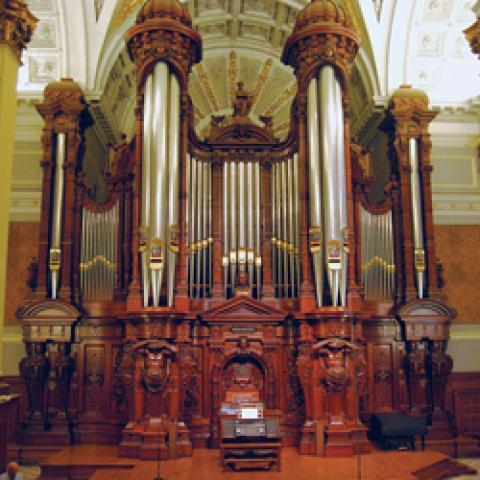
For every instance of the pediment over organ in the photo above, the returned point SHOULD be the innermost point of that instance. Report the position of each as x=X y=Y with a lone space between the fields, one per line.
x=243 y=309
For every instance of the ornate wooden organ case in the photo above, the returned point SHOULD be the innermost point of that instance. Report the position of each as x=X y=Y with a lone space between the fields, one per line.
x=235 y=263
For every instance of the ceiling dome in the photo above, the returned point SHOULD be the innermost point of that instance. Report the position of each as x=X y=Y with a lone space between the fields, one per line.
x=322 y=11
x=164 y=9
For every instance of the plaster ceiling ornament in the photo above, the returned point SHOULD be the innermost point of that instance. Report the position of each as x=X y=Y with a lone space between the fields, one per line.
x=43 y=68
x=45 y=35
x=41 y=5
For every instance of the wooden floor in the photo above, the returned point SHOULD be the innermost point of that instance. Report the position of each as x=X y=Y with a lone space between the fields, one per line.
x=92 y=462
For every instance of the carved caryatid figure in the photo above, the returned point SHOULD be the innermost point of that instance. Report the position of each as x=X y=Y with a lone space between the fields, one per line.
x=417 y=376
x=335 y=376
x=155 y=372
x=243 y=102
x=440 y=364
x=60 y=372
x=34 y=370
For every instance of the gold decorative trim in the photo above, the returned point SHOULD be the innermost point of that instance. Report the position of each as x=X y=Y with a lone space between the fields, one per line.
x=288 y=93
x=232 y=76
x=262 y=79
x=204 y=80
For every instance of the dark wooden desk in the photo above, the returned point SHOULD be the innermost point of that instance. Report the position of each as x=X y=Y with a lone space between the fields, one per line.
x=249 y=451
x=9 y=417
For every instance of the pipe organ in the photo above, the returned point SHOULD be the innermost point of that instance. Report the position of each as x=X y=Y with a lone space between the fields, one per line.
x=234 y=265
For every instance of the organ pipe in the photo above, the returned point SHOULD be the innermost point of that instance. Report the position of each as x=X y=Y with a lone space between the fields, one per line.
x=98 y=255
x=334 y=191
x=226 y=223
x=146 y=164
x=315 y=189
x=160 y=184
x=173 y=182
x=377 y=251
x=258 y=257
x=56 y=233
x=417 y=219
x=342 y=188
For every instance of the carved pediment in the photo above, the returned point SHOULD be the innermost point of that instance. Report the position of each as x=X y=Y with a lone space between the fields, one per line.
x=48 y=320
x=243 y=309
x=426 y=309
x=426 y=318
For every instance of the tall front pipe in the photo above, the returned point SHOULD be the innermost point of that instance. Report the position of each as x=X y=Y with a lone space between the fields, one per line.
x=146 y=165
x=200 y=252
x=158 y=178
x=313 y=125
x=341 y=188
x=226 y=223
x=173 y=183
x=417 y=218
x=330 y=169
x=250 y=202
x=56 y=239
x=258 y=254
x=233 y=223
x=193 y=228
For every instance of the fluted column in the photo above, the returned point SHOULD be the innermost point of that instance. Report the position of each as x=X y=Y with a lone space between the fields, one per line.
x=16 y=27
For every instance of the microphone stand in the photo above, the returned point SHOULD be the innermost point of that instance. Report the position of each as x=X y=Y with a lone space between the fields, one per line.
x=158 y=477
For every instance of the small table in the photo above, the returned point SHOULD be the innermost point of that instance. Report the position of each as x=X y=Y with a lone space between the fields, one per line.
x=250 y=444
x=397 y=427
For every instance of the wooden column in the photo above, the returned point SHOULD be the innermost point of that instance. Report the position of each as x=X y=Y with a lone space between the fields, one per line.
x=409 y=118
x=16 y=27
x=65 y=111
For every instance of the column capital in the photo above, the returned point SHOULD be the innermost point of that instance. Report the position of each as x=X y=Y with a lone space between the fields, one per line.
x=16 y=25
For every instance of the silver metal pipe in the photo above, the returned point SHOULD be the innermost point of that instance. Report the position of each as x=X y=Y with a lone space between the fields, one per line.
x=242 y=234
x=274 y=226
x=173 y=181
x=296 y=197
x=279 y=231
x=194 y=223
x=200 y=201
x=291 y=227
x=226 y=224
x=313 y=126
x=146 y=161
x=56 y=234
x=342 y=189
x=258 y=252
x=205 y=245
x=158 y=190
x=330 y=177
x=417 y=215
x=284 y=188
x=210 y=228
x=233 y=223
x=250 y=226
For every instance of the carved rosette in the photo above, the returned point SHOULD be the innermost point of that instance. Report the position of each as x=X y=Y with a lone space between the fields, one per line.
x=472 y=33
x=323 y=34
x=164 y=32
x=16 y=25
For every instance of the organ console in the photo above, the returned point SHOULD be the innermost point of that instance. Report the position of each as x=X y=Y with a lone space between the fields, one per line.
x=239 y=250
